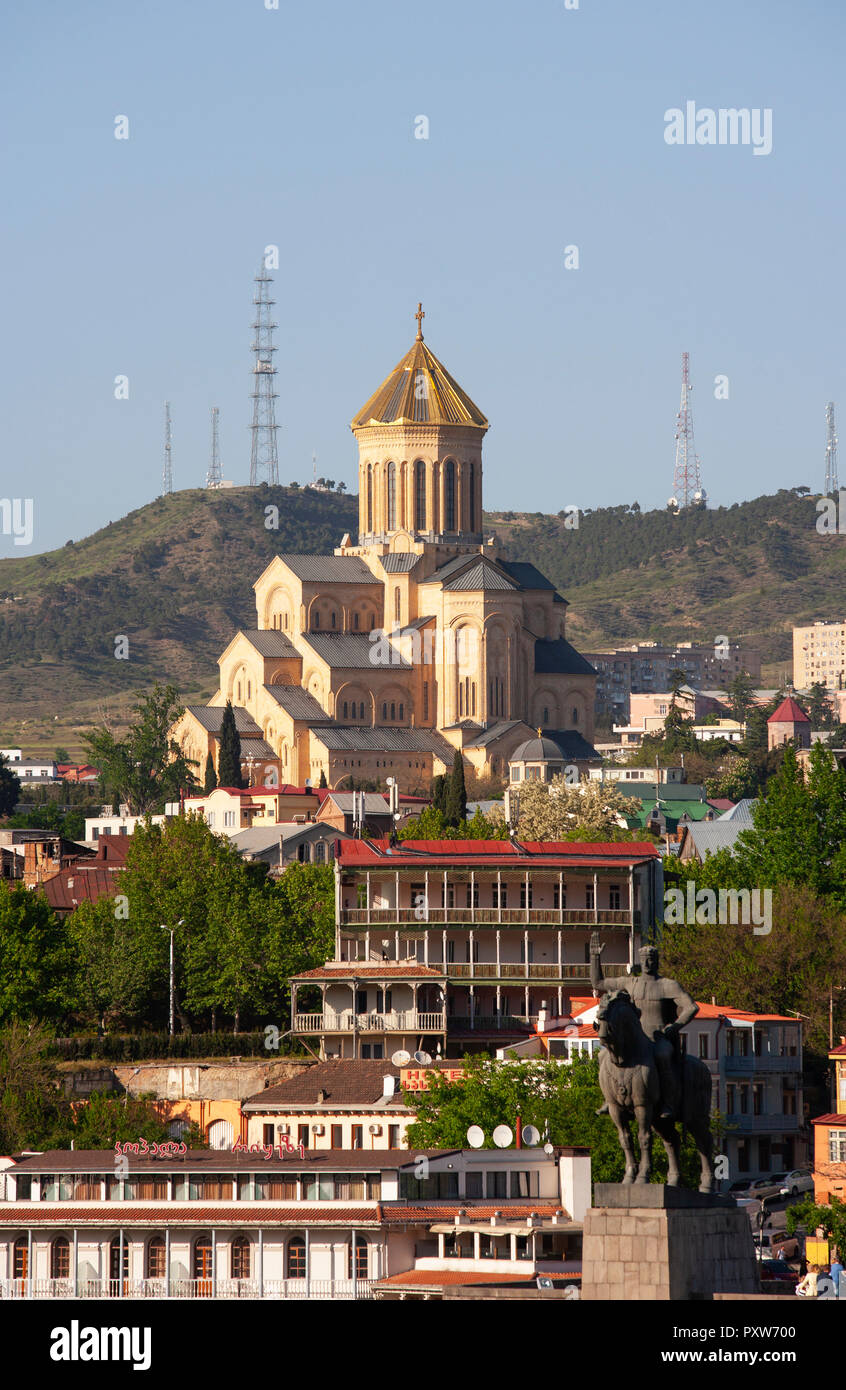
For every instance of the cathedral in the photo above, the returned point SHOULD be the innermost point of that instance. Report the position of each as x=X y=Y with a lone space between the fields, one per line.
x=421 y=638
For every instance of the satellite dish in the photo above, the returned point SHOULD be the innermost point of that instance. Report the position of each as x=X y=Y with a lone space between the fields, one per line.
x=401 y=1058
x=423 y=1059
x=476 y=1137
x=531 y=1136
x=502 y=1136
x=548 y=1149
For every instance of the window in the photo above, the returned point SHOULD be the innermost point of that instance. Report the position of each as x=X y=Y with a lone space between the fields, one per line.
x=336 y=1140
x=295 y=1262
x=228 y=818
x=474 y=1184
x=357 y=1135
x=471 y=488
x=448 y=895
x=499 y=894
x=240 y=1258
x=320 y=1189
x=156 y=1258
x=267 y=1134
x=393 y=711
x=449 y=495
x=361 y=1259
x=115 y=1271
x=420 y=495
x=384 y=711
x=59 y=1258
x=589 y=897
x=392 y=497
x=350 y=1189
x=703 y=1046
x=524 y=1185
x=402 y=716
x=731 y=1099
x=523 y=894
x=472 y=895
x=425 y=701
x=21 y=1259
x=559 y=895
x=355 y=622
x=757 y=1100
x=523 y=952
x=315 y=622
x=614 y=900
x=202 y=1188
x=744 y=1100
x=497 y=1183
x=436 y=1185
x=303 y=1135
x=397 y=602
x=346 y=707
x=393 y=1136
x=369 y=499
x=361 y=710
x=837 y=1145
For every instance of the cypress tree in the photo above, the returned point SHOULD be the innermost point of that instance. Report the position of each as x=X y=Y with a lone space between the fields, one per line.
x=322 y=782
x=210 y=779
x=229 y=758
x=438 y=793
x=455 y=802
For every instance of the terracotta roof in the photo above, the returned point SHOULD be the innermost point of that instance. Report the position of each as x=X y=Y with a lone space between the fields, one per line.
x=839 y=1051
x=411 y=853
x=789 y=712
x=225 y=1161
x=345 y=1083
x=179 y=1214
x=726 y=1011
x=830 y=1120
x=360 y=970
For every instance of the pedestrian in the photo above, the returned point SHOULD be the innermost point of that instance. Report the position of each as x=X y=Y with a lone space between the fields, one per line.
x=807 y=1287
x=781 y=1253
x=836 y=1271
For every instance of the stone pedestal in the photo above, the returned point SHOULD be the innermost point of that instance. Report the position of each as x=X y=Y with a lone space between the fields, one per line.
x=648 y=1242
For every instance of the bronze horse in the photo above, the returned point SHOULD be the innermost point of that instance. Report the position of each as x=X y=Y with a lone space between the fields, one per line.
x=629 y=1081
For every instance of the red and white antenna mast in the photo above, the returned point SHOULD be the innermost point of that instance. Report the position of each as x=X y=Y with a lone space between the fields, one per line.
x=687 y=483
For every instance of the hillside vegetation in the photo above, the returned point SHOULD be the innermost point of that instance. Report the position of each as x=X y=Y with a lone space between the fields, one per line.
x=175 y=577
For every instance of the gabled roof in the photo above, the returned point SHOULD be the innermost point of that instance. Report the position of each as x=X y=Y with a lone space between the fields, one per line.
x=351 y=650
x=330 y=569
x=367 y=739
x=495 y=731
x=482 y=575
x=298 y=703
x=398 y=562
x=789 y=712
x=558 y=657
x=526 y=575
x=741 y=813
x=268 y=641
x=211 y=717
x=546 y=853
x=710 y=837
x=421 y=391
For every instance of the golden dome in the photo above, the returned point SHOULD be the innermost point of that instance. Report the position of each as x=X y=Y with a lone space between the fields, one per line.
x=419 y=391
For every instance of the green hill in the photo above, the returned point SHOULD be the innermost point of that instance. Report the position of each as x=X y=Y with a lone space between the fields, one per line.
x=175 y=577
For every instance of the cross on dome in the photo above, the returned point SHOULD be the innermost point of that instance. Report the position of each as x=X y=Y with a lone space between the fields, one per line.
x=420 y=316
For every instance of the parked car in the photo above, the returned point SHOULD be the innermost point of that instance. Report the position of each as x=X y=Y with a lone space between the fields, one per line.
x=768 y=1243
x=780 y=1271
x=763 y=1188
x=799 y=1180
x=739 y=1189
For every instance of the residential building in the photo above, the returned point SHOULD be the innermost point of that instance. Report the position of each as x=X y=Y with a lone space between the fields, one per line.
x=701 y=838
x=326 y=1225
x=333 y=1105
x=645 y=667
x=87 y=877
x=829 y=1130
x=819 y=655
x=420 y=639
x=452 y=944
x=107 y=824
x=290 y=842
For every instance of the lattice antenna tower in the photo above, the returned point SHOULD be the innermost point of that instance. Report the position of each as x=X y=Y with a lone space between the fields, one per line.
x=687 y=482
x=167 y=469
x=264 y=461
x=831 y=484
x=214 y=477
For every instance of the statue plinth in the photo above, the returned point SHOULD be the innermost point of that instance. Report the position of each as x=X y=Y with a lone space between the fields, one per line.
x=648 y=1242
x=656 y=1196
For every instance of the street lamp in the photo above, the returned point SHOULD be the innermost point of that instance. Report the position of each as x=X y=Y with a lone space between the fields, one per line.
x=171 y=930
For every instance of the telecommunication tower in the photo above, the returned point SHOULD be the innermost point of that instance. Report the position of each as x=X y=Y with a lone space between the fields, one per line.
x=687 y=483
x=264 y=462
x=831 y=484
x=214 y=476
x=167 y=470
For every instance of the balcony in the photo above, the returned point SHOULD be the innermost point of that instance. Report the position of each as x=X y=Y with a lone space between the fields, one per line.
x=490 y=916
x=486 y=970
x=187 y=1288
x=409 y=1021
x=757 y=1124
x=747 y=1065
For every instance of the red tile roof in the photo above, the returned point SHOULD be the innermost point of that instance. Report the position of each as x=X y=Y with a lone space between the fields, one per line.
x=839 y=1051
x=789 y=712
x=830 y=1120
x=378 y=970
x=179 y=1214
x=413 y=853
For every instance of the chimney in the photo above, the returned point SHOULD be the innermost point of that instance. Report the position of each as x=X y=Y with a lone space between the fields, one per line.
x=322 y=1097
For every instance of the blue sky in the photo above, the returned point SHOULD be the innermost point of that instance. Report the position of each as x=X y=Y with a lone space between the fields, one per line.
x=295 y=127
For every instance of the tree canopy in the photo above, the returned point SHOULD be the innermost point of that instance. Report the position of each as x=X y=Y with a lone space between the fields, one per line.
x=147 y=767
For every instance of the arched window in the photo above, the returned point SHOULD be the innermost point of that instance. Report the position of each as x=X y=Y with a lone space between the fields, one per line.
x=355 y=622
x=384 y=711
x=240 y=1258
x=545 y=715
x=115 y=1271
x=362 y=1262
x=449 y=495
x=220 y=1134
x=156 y=1258
x=420 y=495
x=393 y=710
x=575 y=715
x=21 y=1260
x=320 y=852
x=345 y=709
x=334 y=618
x=315 y=622
x=402 y=713
x=295 y=1258
x=369 y=499
x=361 y=710
x=202 y=1264
x=392 y=497
x=396 y=604
x=59 y=1258
x=471 y=487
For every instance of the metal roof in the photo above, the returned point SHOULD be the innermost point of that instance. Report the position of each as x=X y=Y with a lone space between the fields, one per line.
x=482 y=575
x=299 y=703
x=398 y=562
x=268 y=641
x=400 y=399
x=353 y=650
x=330 y=569
x=558 y=657
x=211 y=717
x=383 y=740
x=526 y=575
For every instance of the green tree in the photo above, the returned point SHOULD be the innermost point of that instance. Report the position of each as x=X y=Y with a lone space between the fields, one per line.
x=210 y=777
x=455 y=801
x=29 y=1086
x=35 y=962
x=229 y=755
x=558 y=810
x=741 y=696
x=439 y=788
x=118 y=974
x=62 y=755
x=10 y=788
x=560 y=1099
x=146 y=768
x=322 y=782
x=432 y=825
x=819 y=708
x=811 y=1215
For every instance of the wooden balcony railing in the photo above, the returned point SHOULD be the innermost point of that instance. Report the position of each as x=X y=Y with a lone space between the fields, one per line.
x=407 y=1021
x=489 y=916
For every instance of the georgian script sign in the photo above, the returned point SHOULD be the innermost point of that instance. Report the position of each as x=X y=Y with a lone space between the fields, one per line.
x=283 y=1148
x=170 y=1149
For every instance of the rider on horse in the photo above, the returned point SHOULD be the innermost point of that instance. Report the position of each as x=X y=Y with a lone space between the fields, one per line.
x=665 y=1008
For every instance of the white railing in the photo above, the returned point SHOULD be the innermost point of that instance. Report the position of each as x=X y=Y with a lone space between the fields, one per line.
x=408 y=1021
x=187 y=1288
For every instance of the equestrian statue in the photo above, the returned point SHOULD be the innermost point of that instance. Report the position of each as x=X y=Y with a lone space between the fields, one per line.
x=643 y=1074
